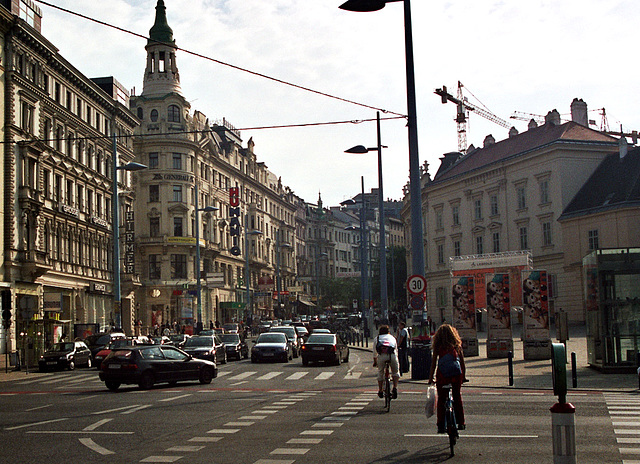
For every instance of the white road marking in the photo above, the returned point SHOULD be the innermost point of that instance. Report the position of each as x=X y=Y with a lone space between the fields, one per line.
x=223 y=430
x=304 y=441
x=274 y=461
x=269 y=376
x=176 y=397
x=353 y=375
x=422 y=435
x=93 y=446
x=34 y=424
x=161 y=459
x=205 y=439
x=38 y=407
x=96 y=425
x=243 y=375
x=238 y=424
x=139 y=408
x=317 y=432
x=324 y=375
x=296 y=375
x=252 y=417
x=106 y=411
x=298 y=451
x=184 y=449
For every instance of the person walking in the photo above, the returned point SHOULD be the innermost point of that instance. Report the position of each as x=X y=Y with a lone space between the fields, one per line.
x=403 y=347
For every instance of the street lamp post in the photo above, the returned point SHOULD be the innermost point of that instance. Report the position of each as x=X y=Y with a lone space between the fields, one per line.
x=117 y=297
x=206 y=209
x=247 y=273
x=417 y=251
x=382 y=253
x=319 y=256
x=279 y=246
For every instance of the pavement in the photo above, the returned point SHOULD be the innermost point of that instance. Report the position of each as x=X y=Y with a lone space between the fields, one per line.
x=484 y=372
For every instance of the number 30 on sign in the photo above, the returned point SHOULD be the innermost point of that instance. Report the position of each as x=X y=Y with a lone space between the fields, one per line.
x=416 y=284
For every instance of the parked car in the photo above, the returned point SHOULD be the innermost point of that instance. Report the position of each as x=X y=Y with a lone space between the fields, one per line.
x=231 y=327
x=271 y=346
x=98 y=341
x=179 y=339
x=65 y=355
x=147 y=365
x=292 y=336
x=324 y=347
x=207 y=347
x=235 y=345
x=302 y=332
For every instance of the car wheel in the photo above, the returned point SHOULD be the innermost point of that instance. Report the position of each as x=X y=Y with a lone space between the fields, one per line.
x=112 y=385
x=239 y=357
x=206 y=375
x=89 y=363
x=286 y=357
x=337 y=361
x=224 y=358
x=305 y=362
x=72 y=365
x=147 y=381
x=253 y=359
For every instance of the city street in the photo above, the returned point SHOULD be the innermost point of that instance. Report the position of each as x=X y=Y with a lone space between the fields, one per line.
x=286 y=413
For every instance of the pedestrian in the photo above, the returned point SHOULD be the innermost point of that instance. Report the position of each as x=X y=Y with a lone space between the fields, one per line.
x=449 y=360
x=210 y=324
x=403 y=347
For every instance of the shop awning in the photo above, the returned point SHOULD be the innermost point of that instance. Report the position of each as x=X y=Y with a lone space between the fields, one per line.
x=306 y=302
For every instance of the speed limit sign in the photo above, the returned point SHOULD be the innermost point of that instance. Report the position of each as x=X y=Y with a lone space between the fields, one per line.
x=416 y=284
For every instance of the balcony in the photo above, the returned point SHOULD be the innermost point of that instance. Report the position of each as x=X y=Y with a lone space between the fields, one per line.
x=34 y=264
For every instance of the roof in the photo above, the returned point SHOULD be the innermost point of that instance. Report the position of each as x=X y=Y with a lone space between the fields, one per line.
x=520 y=144
x=614 y=184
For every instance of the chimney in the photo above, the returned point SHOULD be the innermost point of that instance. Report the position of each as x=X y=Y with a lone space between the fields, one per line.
x=623 y=146
x=513 y=132
x=579 y=112
x=532 y=124
x=488 y=141
x=553 y=118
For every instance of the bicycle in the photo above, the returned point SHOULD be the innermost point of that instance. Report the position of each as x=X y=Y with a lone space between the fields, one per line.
x=387 y=387
x=450 y=418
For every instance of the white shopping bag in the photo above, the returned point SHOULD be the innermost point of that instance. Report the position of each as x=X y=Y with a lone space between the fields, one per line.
x=432 y=398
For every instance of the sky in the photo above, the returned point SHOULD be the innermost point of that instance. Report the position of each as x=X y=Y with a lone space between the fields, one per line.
x=531 y=57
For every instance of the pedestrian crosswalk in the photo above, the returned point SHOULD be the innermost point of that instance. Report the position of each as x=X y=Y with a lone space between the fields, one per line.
x=624 y=409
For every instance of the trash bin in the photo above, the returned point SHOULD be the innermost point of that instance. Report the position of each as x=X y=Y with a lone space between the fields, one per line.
x=420 y=361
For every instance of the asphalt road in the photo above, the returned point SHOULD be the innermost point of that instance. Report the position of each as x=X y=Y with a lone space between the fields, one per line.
x=287 y=413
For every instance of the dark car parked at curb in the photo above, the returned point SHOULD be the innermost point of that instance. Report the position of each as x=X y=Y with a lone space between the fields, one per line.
x=147 y=365
x=65 y=355
x=235 y=345
x=271 y=346
x=324 y=347
x=207 y=347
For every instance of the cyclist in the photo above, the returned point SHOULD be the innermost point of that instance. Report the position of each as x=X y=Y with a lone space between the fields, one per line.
x=386 y=352
x=448 y=357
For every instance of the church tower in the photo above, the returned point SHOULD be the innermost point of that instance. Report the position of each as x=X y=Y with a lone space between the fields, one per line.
x=161 y=74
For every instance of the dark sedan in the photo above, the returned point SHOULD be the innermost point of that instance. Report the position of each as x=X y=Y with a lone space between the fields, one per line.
x=324 y=347
x=65 y=355
x=147 y=365
x=236 y=346
x=207 y=347
x=271 y=346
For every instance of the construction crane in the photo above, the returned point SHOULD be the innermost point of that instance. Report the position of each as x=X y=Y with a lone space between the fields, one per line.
x=519 y=115
x=462 y=114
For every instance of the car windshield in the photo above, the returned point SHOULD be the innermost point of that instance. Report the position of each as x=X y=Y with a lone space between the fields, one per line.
x=230 y=338
x=199 y=341
x=176 y=338
x=230 y=326
x=62 y=347
x=120 y=343
x=272 y=338
x=321 y=338
x=289 y=331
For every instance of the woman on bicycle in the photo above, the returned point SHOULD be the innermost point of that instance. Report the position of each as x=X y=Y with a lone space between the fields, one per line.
x=448 y=357
x=386 y=350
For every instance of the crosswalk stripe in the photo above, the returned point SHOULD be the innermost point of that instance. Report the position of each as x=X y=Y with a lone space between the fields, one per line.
x=324 y=375
x=296 y=375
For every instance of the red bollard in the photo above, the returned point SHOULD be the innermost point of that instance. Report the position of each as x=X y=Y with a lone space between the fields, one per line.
x=563 y=424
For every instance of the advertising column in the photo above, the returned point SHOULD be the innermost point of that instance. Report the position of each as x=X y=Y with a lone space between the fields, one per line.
x=464 y=313
x=499 y=337
x=535 y=308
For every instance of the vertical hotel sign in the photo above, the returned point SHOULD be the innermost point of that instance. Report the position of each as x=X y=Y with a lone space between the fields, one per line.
x=234 y=227
x=129 y=243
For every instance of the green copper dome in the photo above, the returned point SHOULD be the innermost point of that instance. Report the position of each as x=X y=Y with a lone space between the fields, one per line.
x=161 y=32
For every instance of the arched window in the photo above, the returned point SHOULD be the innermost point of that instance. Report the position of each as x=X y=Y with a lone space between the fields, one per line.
x=140 y=113
x=173 y=113
x=154 y=115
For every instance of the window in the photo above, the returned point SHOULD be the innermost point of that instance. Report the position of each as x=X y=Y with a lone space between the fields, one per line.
x=441 y=296
x=524 y=238
x=153 y=160
x=46 y=187
x=547 y=239
x=496 y=242
x=456 y=248
x=26 y=120
x=440 y=253
x=154 y=193
x=177 y=227
x=493 y=202
x=522 y=198
x=80 y=199
x=177 y=161
x=173 y=113
x=177 y=193
x=154 y=115
x=154 y=227
x=90 y=202
x=479 y=245
x=455 y=215
x=140 y=112
x=544 y=191
x=477 y=208
x=154 y=267
x=26 y=13
x=439 y=221
x=594 y=242
x=178 y=266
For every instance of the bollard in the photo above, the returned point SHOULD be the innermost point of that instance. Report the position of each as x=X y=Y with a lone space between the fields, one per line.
x=510 y=357
x=563 y=424
x=574 y=370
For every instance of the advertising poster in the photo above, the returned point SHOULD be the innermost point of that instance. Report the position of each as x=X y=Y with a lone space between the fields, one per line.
x=499 y=337
x=535 y=308
x=464 y=313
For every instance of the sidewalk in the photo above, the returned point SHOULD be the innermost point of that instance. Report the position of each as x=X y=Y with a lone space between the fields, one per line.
x=484 y=372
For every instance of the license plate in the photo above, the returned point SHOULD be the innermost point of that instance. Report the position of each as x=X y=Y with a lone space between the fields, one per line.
x=318 y=348
x=267 y=354
x=51 y=363
x=114 y=366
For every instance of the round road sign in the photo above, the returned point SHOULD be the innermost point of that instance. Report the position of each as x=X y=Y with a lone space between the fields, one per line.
x=416 y=284
x=417 y=303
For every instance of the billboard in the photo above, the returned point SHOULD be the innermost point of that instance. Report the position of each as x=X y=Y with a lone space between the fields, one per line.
x=498 y=298
x=463 y=298
x=535 y=319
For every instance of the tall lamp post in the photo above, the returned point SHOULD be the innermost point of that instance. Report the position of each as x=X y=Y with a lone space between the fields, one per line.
x=115 y=204
x=279 y=246
x=247 y=273
x=417 y=251
x=319 y=256
x=364 y=269
x=206 y=209
x=384 y=299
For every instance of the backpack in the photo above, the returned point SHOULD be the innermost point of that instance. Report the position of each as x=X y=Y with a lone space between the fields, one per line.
x=381 y=348
x=449 y=365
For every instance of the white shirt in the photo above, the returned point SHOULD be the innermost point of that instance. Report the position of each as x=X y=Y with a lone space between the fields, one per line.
x=385 y=339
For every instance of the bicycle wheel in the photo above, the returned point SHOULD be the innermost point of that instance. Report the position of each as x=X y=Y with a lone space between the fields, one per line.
x=452 y=429
x=387 y=394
